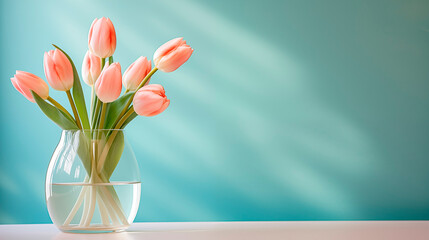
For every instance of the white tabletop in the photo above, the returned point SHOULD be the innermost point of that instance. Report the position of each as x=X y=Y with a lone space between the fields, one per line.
x=236 y=230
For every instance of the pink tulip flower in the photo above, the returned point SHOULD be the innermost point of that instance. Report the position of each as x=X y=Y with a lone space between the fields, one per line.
x=102 y=38
x=58 y=70
x=109 y=84
x=91 y=68
x=135 y=73
x=24 y=82
x=172 y=54
x=150 y=100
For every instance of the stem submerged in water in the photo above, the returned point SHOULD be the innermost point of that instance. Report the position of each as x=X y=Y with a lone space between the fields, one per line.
x=95 y=191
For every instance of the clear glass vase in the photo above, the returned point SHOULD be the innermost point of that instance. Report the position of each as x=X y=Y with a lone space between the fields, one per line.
x=93 y=182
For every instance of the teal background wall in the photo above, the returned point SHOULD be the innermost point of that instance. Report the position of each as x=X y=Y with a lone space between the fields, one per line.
x=288 y=110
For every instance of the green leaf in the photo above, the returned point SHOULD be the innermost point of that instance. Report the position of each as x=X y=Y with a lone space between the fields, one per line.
x=110 y=60
x=55 y=114
x=114 y=154
x=115 y=108
x=78 y=96
x=129 y=119
x=83 y=150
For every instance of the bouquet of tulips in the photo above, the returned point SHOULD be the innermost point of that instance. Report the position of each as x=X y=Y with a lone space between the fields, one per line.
x=109 y=110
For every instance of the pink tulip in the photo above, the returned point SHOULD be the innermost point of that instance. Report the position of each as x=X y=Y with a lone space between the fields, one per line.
x=102 y=38
x=172 y=54
x=91 y=68
x=150 y=100
x=58 y=70
x=109 y=84
x=24 y=82
x=135 y=73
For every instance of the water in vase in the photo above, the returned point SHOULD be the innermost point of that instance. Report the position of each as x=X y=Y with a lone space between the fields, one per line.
x=81 y=207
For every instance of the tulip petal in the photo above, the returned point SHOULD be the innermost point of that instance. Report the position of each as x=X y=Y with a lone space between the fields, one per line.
x=175 y=59
x=21 y=90
x=91 y=68
x=164 y=106
x=166 y=48
x=109 y=84
x=58 y=70
x=112 y=37
x=102 y=38
x=135 y=73
x=90 y=33
x=150 y=100
x=155 y=88
x=24 y=82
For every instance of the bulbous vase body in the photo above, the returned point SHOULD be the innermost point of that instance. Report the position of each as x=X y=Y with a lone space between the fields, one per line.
x=93 y=182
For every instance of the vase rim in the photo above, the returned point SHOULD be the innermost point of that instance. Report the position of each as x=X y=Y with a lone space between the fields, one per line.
x=92 y=130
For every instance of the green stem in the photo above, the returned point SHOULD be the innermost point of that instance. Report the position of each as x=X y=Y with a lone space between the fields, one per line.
x=124 y=118
x=56 y=104
x=103 y=62
x=92 y=102
x=147 y=78
x=95 y=101
x=74 y=109
x=96 y=113
x=132 y=97
x=96 y=116
x=103 y=116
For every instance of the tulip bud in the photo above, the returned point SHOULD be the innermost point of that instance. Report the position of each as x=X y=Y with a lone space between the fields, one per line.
x=150 y=100
x=58 y=70
x=135 y=73
x=102 y=38
x=172 y=54
x=109 y=84
x=26 y=82
x=91 y=68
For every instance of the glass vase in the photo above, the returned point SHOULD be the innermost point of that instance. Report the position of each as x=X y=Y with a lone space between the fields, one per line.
x=93 y=182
